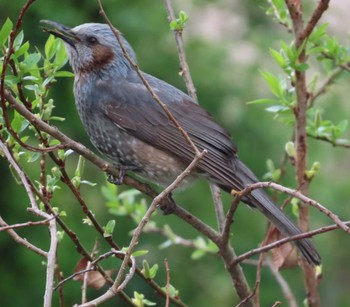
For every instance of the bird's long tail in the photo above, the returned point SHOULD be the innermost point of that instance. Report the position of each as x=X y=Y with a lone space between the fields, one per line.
x=260 y=200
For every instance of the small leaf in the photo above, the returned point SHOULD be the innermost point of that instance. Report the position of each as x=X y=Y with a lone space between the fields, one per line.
x=279 y=58
x=274 y=83
x=276 y=108
x=49 y=47
x=290 y=149
x=63 y=73
x=140 y=253
x=262 y=101
x=5 y=31
x=109 y=228
x=18 y=40
x=31 y=60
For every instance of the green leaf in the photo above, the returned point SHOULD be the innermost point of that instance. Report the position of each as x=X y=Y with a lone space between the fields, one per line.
x=276 y=108
x=22 y=50
x=342 y=126
x=197 y=254
x=5 y=31
x=140 y=253
x=172 y=291
x=109 y=228
x=261 y=101
x=18 y=40
x=61 y=57
x=80 y=167
x=274 y=83
x=63 y=73
x=279 y=58
x=318 y=33
x=50 y=47
x=31 y=60
x=33 y=156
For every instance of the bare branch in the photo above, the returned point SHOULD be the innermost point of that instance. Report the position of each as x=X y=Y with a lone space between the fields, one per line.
x=117 y=286
x=21 y=240
x=285 y=240
x=167 y=286
x=50 y=266
x=288 y=294
x=300 y=196
x=185 y=70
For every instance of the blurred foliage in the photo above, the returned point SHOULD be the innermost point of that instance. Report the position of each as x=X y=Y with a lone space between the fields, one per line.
x=229 y=65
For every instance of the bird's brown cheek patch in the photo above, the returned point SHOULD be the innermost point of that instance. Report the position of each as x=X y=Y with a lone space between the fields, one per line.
x=102 y=56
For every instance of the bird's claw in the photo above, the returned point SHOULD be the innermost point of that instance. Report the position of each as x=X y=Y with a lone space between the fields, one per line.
x=117 y=180
x=167 y=205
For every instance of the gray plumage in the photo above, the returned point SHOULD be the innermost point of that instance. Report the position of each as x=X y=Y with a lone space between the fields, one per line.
x=125 y=123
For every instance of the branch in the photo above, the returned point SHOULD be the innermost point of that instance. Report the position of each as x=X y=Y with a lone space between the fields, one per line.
x=315 y=17
x=267 y=247
x=185 y=70
x=21 y=240
x=186 y=74
x=298 y=195
x=117 y=286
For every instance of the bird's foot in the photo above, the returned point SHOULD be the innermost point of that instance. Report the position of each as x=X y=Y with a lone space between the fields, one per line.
x=168 y=205
x=120 y=179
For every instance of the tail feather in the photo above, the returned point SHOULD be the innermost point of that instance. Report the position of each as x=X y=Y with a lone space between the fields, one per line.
x=259 y=199
x=262 y=202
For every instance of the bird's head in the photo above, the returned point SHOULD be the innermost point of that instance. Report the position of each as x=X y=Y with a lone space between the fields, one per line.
x=92 y=47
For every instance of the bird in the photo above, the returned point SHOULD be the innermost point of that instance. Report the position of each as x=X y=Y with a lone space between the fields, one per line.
x=126 y=124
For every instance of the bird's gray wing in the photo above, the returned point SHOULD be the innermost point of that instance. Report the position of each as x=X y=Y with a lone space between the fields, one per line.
x=131 y=107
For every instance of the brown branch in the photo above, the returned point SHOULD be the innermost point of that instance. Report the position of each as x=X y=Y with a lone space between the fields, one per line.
x=185 y=70
x=325 y=139
x=109 y=168
x=301 y=34
x=21 y=240
x=186 y=74
x=304 y=235
x=300 y=196
x=26 y=224
x=315 y=17
x=51 y=255
x=138 y=231
x=324 y=86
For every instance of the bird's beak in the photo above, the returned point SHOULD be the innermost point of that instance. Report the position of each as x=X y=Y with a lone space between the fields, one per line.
x=61 y=31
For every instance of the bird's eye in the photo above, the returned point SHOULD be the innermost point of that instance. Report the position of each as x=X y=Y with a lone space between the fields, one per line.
x=92 y=40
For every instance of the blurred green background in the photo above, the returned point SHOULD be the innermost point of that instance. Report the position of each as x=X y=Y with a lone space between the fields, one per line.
x=227 y=43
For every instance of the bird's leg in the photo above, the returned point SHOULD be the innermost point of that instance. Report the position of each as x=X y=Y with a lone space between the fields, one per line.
x=118 y=180
x=167 y=205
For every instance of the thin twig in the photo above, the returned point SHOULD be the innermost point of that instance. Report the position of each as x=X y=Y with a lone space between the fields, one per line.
x=22 y=241
x=157 y=200
x=185 y=70
x=50 y=266
x=167 y=286
x=287 y=292
x=278 y=16
x=272 y=245
x=26 y=224
x=192 y=92
x=300 y=196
